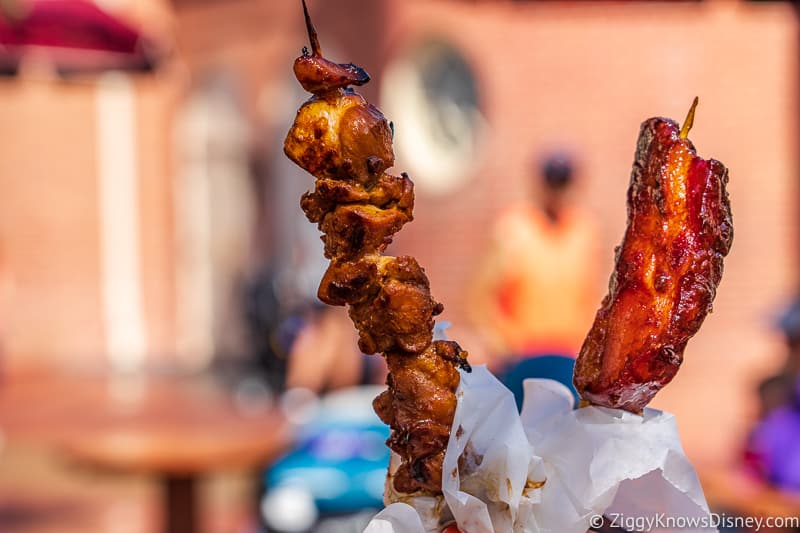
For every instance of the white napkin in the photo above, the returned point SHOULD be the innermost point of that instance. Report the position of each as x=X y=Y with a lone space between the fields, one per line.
x=593 y=461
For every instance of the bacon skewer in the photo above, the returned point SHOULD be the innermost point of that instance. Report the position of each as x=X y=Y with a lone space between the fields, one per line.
x=346 y=144
x=667 y=269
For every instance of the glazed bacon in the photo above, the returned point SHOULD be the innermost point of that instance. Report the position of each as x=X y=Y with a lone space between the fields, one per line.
x=667 y=270
x=346 y=143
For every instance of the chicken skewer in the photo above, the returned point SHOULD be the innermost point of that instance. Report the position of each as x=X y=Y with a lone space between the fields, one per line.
x=346 y=144
x=667 y=269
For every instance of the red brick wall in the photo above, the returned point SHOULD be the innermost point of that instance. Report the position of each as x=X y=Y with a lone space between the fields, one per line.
x=581 y=74
x=48 y=221
x=50 y=228
x=585 y=75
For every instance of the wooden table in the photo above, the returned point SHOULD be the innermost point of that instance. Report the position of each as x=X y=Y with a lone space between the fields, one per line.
x=176 y=429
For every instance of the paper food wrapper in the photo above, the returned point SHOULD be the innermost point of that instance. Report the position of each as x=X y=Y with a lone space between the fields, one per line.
x=552 y=468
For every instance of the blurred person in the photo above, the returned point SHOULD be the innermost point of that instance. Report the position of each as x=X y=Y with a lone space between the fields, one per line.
x=301 y=343
x=536 y=289
x=325 y=354
x=535 y=293
x=270 y=326
x=773 y=447
x=778 y=390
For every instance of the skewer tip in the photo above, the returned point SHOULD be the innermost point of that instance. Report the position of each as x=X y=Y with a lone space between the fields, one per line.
x=689 y=121
x=316 y=49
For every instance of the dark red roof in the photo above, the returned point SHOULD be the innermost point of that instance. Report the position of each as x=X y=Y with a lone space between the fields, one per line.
x=76 y=34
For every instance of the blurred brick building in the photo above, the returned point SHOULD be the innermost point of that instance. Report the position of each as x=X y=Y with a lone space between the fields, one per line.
x=132 y=205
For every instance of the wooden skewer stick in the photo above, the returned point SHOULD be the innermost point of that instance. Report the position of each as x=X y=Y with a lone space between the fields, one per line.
x=687 y=124
x=316 y=49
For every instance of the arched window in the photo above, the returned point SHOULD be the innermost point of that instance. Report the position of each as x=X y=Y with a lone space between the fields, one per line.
x=431 y=93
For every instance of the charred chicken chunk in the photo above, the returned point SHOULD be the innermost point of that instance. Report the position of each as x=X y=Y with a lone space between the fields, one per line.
x=389 y=192
x=400 y=315
x=351 y=230
x=419 y=406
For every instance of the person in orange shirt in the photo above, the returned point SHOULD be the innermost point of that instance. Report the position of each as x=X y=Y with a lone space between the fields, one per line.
x=536 y=292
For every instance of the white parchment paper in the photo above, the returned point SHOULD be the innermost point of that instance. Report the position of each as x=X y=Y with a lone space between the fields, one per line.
x=551 y=468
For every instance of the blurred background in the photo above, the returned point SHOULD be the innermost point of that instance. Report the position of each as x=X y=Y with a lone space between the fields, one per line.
x=161 y=346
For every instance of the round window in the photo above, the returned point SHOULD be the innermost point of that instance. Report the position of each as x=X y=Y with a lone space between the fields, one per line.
x=431 y=95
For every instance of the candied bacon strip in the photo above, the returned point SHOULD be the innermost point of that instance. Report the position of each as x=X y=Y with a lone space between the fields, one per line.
x=346 y=143
x=667 y=270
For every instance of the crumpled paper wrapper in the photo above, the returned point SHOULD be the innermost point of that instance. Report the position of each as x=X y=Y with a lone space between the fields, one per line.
x=550 y=469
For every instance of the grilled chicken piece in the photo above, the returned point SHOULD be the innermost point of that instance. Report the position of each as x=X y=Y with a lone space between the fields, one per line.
x=667 y=270
x=400 y=314
x=389 y=192
x=390 y=301
x=346 y=143
x=419 y=406
x=352 y=230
